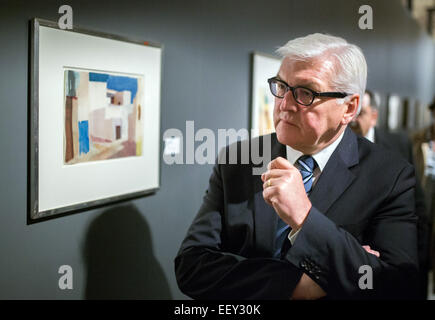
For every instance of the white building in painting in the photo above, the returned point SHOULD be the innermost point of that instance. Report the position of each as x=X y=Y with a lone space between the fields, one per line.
x=107 y=112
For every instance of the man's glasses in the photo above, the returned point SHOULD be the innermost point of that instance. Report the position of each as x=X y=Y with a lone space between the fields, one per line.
x=302 y=95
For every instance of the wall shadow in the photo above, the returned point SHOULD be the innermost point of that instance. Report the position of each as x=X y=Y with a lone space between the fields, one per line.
x=119 y=258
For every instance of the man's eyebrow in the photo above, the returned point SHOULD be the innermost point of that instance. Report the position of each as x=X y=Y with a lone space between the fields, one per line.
x=303 y=83
x=309 y=84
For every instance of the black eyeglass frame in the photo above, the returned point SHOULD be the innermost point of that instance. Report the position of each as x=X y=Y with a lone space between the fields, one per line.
x=315 y=93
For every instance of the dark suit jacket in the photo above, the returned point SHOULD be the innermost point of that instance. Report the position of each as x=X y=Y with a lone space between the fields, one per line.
x=400 y=143
x=362 y=197
x=395 y=141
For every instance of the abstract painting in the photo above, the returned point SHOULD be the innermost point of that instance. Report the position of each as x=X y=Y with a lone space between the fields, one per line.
x=102 y=116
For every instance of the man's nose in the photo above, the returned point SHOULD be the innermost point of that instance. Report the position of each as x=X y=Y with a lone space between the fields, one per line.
x=289 y=103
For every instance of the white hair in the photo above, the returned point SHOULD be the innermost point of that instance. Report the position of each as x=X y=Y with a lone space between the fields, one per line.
x=349 y=71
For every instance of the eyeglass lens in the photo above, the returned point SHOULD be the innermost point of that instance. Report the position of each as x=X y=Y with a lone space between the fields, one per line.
x=301 y=95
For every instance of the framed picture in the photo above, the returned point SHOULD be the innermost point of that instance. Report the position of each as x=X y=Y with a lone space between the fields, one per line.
x=94 y=119
x=262 y=101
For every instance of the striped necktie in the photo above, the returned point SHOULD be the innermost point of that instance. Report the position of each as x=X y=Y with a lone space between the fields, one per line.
x=306 y=166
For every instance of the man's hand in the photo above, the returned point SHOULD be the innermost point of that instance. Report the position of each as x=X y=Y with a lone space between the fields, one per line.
x=284 y=190
x=369 y=250
x=307 y=289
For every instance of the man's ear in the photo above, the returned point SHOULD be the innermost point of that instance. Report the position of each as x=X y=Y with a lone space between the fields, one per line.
x=351 y=108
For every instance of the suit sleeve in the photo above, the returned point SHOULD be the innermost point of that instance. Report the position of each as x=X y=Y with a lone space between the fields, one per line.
x=335 y=260
x=206 y=270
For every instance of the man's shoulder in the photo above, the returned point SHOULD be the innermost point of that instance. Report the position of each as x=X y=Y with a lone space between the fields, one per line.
x=251 y=147
x=378 y=157
x=397 y=141
x=393 y=136
x=257 y=140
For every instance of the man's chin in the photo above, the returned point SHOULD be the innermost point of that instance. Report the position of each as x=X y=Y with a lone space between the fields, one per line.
x=286 y=137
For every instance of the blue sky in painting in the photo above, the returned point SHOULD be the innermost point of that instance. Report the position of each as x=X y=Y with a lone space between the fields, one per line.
x=118 y=83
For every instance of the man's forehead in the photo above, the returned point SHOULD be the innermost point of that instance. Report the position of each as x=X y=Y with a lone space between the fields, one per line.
x=314 y=71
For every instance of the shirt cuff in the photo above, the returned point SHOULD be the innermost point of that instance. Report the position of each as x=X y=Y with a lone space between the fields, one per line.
x=292 y=235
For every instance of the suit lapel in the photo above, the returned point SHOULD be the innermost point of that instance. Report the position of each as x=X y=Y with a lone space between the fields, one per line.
x=336 y=176
x=265 y=217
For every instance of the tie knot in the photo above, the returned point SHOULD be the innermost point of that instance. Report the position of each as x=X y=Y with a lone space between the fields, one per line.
x=306 y=163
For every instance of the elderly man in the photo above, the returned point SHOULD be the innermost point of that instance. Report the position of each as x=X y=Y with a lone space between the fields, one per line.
x=333 y=215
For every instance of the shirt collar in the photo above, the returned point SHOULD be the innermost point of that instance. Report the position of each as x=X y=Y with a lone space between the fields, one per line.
x=321 y=157
x=371 y=135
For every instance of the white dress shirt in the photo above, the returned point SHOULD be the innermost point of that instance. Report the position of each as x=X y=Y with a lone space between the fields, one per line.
x=321 y=158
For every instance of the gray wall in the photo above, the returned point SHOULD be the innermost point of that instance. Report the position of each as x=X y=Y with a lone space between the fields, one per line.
x=127 y=250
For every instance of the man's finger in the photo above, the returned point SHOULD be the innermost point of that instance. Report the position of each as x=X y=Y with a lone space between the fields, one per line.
x=369 y=250
x=279 y=163
x=376 y=253
x=273 y=182
x=274 y=173
x=268 y=195
x=267 y=183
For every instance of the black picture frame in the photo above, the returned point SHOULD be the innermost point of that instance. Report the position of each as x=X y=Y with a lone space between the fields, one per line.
x=35 y=212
